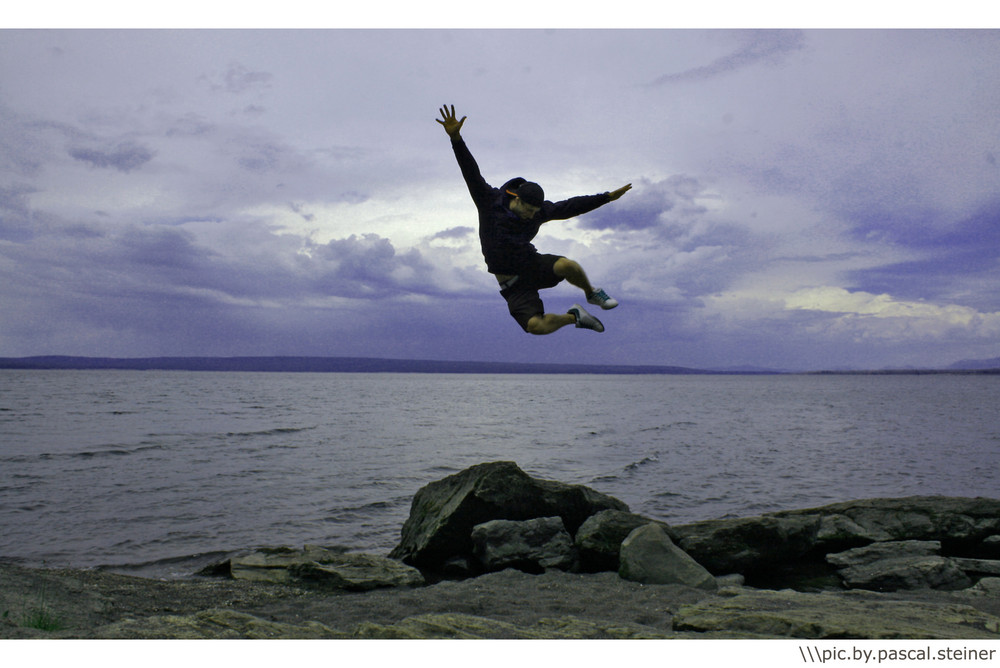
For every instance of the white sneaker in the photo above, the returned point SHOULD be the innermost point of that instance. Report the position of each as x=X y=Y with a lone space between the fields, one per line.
x=600 y=298
x=585 y=320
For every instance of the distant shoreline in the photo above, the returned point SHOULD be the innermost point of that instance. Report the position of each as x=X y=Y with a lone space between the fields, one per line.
x=290 y=364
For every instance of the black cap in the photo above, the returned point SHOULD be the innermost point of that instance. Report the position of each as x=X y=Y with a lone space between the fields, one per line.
x=530 y=193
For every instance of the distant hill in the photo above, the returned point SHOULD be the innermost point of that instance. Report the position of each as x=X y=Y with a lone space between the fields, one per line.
x=387 y=365
x=327 y=365
x=971 y=365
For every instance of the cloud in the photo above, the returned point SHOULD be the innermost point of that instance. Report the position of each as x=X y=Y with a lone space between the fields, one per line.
x=460 y=232
x=21 y=150
x=953 y=262
x=663 y=206
x=126 y=156
x=759 y=46
x=862 y=315
x=239 y=79
x=368 y=266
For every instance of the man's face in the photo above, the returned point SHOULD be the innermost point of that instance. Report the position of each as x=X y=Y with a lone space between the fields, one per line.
x=523 y=209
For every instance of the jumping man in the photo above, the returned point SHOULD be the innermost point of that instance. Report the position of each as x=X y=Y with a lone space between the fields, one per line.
x=509 y=218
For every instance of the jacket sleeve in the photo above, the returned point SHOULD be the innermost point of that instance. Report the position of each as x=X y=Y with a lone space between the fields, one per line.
x=574 y=206
x=478 y=187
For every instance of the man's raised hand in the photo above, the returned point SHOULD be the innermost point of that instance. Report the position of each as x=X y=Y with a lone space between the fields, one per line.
x=451 y=124
x=615 y=194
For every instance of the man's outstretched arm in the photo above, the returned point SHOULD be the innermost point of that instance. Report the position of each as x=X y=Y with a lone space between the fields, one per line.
x=576 y=206
x=478 y=187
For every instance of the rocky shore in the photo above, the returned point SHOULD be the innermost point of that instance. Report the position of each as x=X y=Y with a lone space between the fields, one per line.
x=493 y=553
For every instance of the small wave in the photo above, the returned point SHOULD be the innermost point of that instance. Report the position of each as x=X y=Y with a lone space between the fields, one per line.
x=651 y=459
x=110 y=451
x=277 y=431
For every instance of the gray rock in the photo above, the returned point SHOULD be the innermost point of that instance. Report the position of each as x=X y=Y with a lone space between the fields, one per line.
x=444 y=512
x=746 y=544
x=471 y=627
x=862 y=556
x=911 y=518
x=985 y=587
x=731 y=580
x=599 y=538
x=916 y=572
x=896 y=565
x=991 y=546
x=529 y=545
x=862 y=615
x=215 y=624
x=978 y=567
x=327 y=568
x=650 y=557
x=758 y=543
x=840 y=530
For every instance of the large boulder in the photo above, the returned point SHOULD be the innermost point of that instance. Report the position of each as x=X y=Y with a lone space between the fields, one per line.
x=334 y=569
x=599 y=539
x=747 y=544
x=443 y=513
x=530 y=545
x=648 y=556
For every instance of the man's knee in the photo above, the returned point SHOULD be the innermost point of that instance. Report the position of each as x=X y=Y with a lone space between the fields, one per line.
x=536 y=325
x=564 y=267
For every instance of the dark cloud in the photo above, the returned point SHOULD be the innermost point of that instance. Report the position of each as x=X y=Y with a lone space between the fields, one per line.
x=15 y=213
x=189 y=125
x=126 y=156
x=959 y=259
x=459 y=232
x=759 y=46
x=661 y=206
x=260 y=157
x=239 y=79
x=21 y=151
x=369 y=266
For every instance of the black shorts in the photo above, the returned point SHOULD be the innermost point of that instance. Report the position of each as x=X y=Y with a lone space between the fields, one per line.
x=522 y=297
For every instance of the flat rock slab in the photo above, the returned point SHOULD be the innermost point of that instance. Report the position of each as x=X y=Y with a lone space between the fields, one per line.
x=862 y=556
x=216 y=624
x=916 y=572
x=326 y=568
x=862 y=615
x=469 y=627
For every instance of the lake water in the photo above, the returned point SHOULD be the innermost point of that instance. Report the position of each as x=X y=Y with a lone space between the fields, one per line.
x=144 y=467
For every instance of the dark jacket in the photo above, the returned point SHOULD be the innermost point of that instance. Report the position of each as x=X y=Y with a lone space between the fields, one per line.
x=504 y=236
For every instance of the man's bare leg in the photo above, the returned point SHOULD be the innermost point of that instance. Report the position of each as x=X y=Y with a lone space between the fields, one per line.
x=549 y=322
x=573 y=273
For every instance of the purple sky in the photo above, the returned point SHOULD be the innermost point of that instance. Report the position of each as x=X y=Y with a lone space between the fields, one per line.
x=802 y=199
